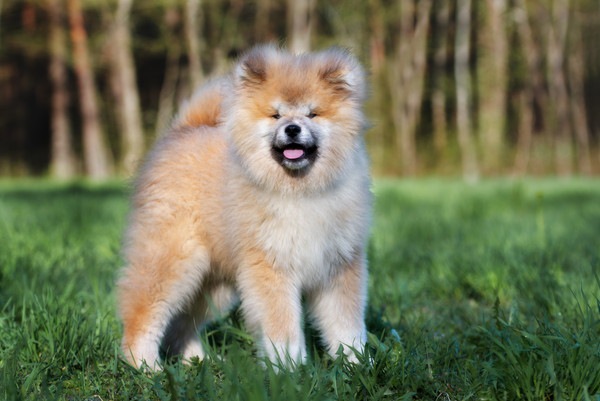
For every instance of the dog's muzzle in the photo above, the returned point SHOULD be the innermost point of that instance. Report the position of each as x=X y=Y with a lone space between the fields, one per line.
x=294 y=146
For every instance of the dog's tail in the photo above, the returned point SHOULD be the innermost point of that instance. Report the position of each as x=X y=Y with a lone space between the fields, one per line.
x=203 y=108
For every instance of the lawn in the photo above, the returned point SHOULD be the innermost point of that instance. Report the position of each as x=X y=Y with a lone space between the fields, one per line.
x=477 y=292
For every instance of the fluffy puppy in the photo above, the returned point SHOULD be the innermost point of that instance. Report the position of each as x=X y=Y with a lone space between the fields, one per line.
x=260 y=193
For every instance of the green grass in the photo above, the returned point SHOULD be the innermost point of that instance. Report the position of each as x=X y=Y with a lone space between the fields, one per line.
x=485 y=292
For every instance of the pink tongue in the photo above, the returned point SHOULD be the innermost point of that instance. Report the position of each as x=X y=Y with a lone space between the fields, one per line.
x=293 y=153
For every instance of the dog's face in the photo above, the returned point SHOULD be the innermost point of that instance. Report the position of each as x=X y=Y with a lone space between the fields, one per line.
x=295 y=121
x=295 y=141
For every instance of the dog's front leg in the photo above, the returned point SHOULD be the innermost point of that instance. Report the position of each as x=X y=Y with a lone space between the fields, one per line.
x=272 y=308
x=337 y=309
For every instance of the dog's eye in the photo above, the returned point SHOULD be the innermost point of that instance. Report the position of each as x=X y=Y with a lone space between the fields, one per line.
x=276 y=116
x=312 y=115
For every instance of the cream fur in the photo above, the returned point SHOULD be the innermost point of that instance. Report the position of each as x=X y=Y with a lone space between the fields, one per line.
x=215 y=218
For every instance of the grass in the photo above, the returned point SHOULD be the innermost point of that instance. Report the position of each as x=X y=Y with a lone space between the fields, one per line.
x=485 y=292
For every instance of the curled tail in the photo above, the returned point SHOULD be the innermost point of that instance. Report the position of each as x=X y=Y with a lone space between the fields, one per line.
x=203 y=108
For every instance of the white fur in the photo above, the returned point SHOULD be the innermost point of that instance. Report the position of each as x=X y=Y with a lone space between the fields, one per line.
x=145 y=350
x=308 y=238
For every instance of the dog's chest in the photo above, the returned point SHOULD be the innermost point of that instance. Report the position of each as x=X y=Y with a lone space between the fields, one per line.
x=309 y=238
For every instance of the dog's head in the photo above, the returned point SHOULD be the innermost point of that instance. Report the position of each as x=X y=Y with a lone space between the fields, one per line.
x=296 y=121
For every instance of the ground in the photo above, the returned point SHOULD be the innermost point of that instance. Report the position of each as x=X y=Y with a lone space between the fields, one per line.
x=483 y=292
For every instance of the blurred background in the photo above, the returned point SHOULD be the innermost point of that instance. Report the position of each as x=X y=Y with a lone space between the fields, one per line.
x=470 y=88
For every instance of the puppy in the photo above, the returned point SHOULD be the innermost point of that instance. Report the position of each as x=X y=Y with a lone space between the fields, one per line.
x=259 y=192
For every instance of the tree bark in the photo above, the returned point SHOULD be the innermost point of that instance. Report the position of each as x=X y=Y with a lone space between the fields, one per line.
x=96 y=155
x=407 y=77
x=524 y=132
x=300 y=21
x=576 y=75
x=376 y=27
x=463 y=91
x=63 y=164
x=192 y=22
x=492 y=76
x=166 y=102
x=1 y=21
x=261 y=21
x=400 y=74
x=533 y=91
x=438 y=97
x=557 y=28
x=126 y=91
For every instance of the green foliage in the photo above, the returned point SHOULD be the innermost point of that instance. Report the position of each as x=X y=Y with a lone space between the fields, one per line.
x=476 y=292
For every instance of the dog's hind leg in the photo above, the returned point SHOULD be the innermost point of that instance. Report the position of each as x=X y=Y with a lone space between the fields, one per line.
x=152 y=292
x=182 y=336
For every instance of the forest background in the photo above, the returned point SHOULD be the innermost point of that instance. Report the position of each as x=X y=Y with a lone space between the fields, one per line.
x=458 y=87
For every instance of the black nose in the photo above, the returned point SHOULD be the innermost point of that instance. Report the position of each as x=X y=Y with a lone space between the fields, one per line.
x=292 y=130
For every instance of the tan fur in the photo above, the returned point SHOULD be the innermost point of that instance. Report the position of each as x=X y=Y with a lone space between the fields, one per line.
x=204 y=108
x=215 y=218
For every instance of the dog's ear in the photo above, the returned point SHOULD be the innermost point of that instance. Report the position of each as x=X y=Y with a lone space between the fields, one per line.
x=252 y=68
x=343 y=72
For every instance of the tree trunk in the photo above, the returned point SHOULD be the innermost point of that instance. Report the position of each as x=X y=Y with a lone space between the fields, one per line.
x=559 y=118
x=533 y=92
x=407 y=76
x=524 y=132
x=96 y=156
x=300 y=20
x=463 y=91
x=492 y=76
x=376 y=27
x=126 y=91
x=576 y=75
x=192 y=22
x=438 y=98
x=401 y=73
x=0 y=22
x=166 y=102
x=261 y=21
x=63 y=164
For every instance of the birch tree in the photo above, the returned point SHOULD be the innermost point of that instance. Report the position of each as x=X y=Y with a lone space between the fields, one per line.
x=463 y=91
x=96 y=156
x=125 y=90
x=167 y=97
x=406 y=75
x=492 y=76
x=300 y=21
x=556 y=31
x=438 y=97
x=576 y=75
x=63 y=165
x=261 y=20
x=533 y=90
x=192 y=22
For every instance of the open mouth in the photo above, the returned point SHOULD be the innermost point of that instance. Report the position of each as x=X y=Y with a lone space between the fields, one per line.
x=294 y=156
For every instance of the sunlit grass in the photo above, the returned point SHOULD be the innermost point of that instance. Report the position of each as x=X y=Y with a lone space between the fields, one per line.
x=487 y=292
